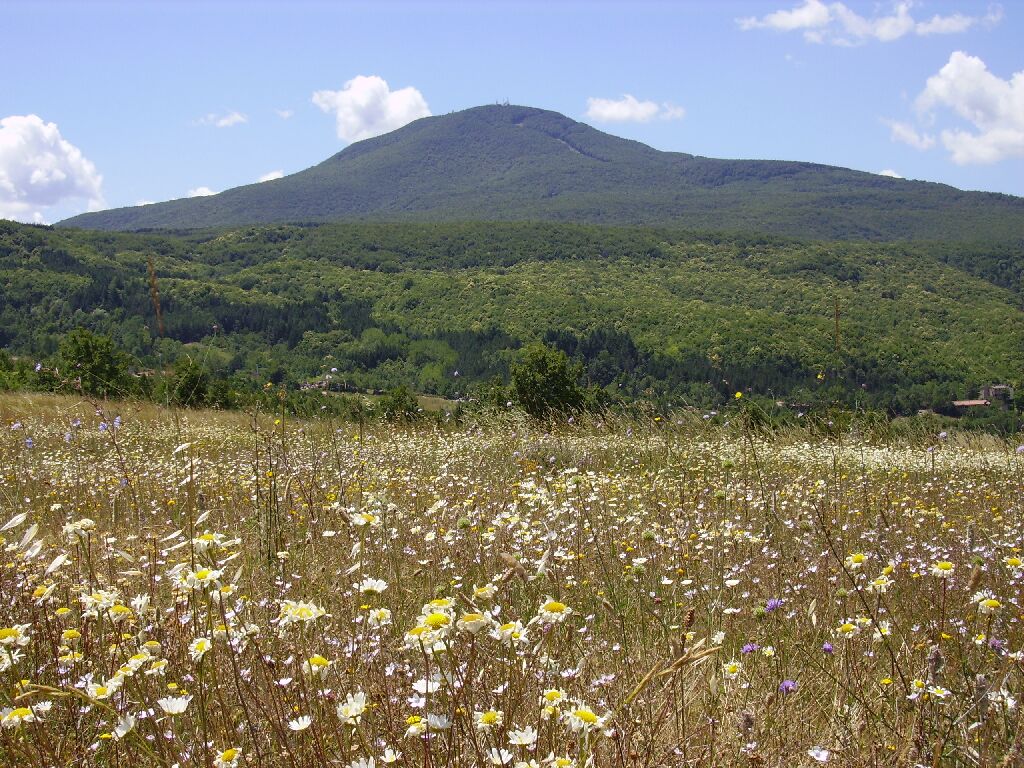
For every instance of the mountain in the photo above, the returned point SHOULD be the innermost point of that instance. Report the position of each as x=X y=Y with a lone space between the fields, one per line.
x=517 y=163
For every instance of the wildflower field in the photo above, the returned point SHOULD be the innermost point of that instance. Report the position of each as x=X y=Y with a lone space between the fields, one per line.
x=207 y=589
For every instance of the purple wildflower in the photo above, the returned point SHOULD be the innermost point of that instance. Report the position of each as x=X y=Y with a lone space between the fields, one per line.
x=773 y=604
x=750 y=648
x=827 y=647
x=787 y=686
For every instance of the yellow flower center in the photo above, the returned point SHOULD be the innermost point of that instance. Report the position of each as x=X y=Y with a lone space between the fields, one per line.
x=437 y=620
x=586 y=716
x=554 y=606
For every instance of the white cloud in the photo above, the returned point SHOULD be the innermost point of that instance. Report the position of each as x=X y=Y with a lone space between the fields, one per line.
x=890 y=173
x=993 y=106
x=946 y=25
x=39 y=168
x=838 y=24
x=629 y=109
x=672 y=112
x=145 y=202
x=366 y=106
x=222 y=121
x=811 y=15
x=905 y=133
x=270 y=176
x=201 y=192
x=284 y=114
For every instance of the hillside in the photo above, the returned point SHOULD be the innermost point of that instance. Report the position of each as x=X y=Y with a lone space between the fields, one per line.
x=666 y=315
x=519 y=163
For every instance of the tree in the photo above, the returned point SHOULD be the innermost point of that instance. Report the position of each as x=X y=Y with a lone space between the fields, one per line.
x=95 y=361
x=543 y=381
x=190 y=384
x=399 y=404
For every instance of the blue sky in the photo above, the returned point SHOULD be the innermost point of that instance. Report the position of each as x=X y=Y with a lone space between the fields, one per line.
x=111 y=104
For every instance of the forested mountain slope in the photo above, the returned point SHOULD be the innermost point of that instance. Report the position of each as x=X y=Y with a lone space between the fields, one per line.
x=519 y=163
x=657 y=313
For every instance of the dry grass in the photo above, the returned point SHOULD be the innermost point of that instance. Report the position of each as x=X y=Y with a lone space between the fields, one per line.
x=634 y=594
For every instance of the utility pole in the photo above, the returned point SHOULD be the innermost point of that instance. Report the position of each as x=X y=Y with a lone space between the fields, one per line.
x=837 y=323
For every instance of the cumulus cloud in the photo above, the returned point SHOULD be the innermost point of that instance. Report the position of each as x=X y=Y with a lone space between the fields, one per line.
x=629 y=109
x=270 y=176
x=366 y=106
x=284 y=114
x=201 y=192
x=838 y=24
x=994 y=107
x=905 y=133
x=39 y=168
x=222 y=121
x=890 y=173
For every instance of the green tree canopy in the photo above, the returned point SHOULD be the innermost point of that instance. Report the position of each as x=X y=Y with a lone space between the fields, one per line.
x=97 y=364
x=543 y=381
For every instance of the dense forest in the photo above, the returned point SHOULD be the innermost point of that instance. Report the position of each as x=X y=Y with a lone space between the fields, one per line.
x=672 y=317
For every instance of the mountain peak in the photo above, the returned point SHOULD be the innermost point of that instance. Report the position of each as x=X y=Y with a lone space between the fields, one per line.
x=512 y=162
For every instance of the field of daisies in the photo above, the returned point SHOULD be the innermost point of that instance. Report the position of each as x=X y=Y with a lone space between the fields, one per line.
x=202 y=589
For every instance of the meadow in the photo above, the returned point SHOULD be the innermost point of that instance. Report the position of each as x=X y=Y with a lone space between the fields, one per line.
x=197 y=588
